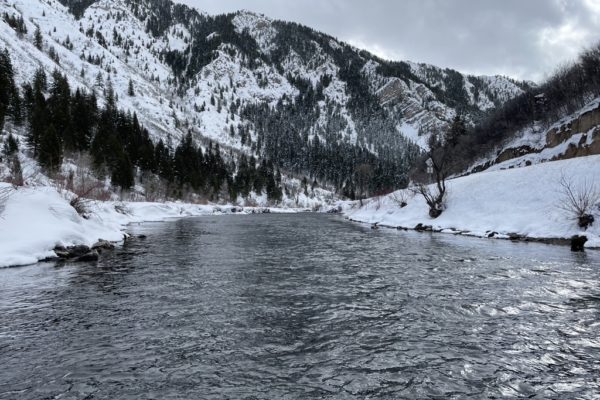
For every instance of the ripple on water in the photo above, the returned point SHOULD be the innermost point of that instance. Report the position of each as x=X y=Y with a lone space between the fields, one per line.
x=303 y=306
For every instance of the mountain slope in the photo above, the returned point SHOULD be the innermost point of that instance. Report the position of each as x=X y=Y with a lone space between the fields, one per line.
x=315 y=106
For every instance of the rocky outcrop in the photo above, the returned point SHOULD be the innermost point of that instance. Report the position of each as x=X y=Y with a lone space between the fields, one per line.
x=514 y=152
x=588 y=145
x=587 y=125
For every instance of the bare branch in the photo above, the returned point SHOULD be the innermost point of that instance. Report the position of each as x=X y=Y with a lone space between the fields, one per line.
x=579 y=200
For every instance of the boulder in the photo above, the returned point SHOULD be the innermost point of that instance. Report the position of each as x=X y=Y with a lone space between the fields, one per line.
x=514 y=236
x=71 y=252
x=88 y=257
x=76 y=253
x=423 y=228
x=578 y=243
x=103 y=245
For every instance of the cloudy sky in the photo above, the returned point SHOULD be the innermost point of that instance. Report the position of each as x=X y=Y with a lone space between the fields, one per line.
x=525 y=39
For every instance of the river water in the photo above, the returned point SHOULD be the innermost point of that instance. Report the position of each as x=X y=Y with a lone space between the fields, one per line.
x=299 y=307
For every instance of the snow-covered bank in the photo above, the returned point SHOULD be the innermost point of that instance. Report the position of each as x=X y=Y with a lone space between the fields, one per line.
x=33 y=221
x=515 y=202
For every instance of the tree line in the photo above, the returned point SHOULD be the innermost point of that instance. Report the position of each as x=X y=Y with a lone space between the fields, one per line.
x=57 y=121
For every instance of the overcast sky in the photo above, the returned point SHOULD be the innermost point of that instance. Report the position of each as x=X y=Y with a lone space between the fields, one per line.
x=524 y=39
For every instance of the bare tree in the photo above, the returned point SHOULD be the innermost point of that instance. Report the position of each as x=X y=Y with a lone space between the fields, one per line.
x=400 y=198
x=439 y=163
x=579 y=200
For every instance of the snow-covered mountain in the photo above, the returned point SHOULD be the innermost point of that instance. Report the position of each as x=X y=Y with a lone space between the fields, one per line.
x=252 y=84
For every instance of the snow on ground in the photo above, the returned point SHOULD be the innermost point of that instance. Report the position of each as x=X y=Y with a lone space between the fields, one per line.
x=523 y=201
x=33 y=221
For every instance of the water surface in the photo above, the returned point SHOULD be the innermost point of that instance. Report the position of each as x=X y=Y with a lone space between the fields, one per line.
x=303 y=306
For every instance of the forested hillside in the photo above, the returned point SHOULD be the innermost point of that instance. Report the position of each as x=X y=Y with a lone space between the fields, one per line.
x=221 y=105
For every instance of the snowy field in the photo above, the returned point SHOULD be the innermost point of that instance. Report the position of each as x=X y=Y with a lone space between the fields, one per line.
x=521 y=201
x=33 y=221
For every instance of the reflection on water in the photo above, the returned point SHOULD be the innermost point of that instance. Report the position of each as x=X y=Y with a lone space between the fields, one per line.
x=303 y=306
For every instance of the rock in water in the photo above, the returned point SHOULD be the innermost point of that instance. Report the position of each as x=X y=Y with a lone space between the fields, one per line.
x=103 y=245
x=89 y=257
x=578 y=243
x=423 y=228
x=71 y=252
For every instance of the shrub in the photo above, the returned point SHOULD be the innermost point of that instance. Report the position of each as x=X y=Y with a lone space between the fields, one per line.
x=579 y=200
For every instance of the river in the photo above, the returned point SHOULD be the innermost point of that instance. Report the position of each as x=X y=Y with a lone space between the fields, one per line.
x=303 y=306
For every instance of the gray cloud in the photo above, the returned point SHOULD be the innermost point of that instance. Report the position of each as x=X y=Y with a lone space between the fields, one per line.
x=525 y=39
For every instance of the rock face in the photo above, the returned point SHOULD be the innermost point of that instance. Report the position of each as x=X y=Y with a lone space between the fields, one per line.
x=587 y=125
x=514 y=152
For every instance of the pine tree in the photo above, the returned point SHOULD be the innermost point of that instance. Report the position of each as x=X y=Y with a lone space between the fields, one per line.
x=11 y=146
x=457 y=130
x=99 y=82
x=7 y=86
x=59 y=106
x=50 y=150
x=38 y=39
x=15 y=110
x=111 y=101
x=84 y=119
x=123 y=175
x=130 y=90
x=37 y=110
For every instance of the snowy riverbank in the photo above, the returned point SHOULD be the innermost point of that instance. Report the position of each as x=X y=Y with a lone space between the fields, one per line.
x=520 y=202
x=36 y=220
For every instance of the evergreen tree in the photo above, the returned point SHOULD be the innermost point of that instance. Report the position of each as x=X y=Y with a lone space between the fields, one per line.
x=84 y=119
x=456 y=131
x=123 y=174
x=130 y=90
x=50 y=150
x=59 y=107
x=7 y=86
x=10 y=147
x=38 y=39
x=37 y=110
